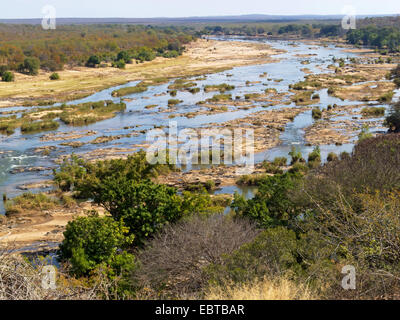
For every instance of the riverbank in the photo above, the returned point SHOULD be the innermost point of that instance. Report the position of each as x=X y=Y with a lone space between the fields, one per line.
x=201 y=57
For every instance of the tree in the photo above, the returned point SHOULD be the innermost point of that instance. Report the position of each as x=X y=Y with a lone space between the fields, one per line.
x=271 y=206
x=93 y=61
x=125 y=56
x=393 y=119
x=143 y=206
x=145 y=54
x=93 y=241
x=7 y=76
x=30 y=66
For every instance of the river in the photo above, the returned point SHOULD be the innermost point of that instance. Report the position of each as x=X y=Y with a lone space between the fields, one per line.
x=18 y=150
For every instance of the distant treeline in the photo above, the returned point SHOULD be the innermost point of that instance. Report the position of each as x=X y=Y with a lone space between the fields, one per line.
x=74 y=45
x=379 y=37
x=382 y=33
x=302 y=30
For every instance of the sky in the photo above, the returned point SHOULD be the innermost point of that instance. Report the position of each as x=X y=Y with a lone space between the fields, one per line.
x=22 y=9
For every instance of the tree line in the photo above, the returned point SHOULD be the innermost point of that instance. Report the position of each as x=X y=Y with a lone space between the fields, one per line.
x=27 y=48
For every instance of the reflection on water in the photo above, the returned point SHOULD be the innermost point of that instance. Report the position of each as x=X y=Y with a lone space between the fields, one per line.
x=19 y=150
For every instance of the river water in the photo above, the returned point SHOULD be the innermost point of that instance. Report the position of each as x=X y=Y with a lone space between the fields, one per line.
x=18 y=150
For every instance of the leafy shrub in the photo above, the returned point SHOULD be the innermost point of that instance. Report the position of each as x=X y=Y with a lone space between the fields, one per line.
x=296 y=156
x=54 y=76
x=143 y=206
x=280 y=161
x=393 y=119
x=371 y=167
x=93 y=241
x=76 y=174
x=314 y=158
x=93 y=61
x=124 y=56
x=120 y=64
x=7 y=76
x=252 y=180
x=272 y=168
x=271 y=205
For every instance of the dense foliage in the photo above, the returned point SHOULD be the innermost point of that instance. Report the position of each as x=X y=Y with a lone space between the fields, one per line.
x=382 y=38
x=26 y=47
x=306 y=30
x=93 y=241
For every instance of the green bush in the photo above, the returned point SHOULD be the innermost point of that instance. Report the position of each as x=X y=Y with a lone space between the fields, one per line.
x=144 y=54
x=54 y=76
x=93 y=61
x=392 y=121
x=272 y=168
x=271 y=205
x=280 y=161
x=124 y=56
x=7 y=76
x=295 y=155
x=76 y=174
x=120 y=64
x=314 y=158
x=143 y=206
x=93 y=241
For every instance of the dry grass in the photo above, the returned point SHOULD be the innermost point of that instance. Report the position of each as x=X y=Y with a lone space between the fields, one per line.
x=278 y=289
x=20 y=280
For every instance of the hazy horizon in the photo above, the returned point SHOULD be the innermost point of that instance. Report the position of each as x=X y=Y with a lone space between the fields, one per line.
x=27 y=9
